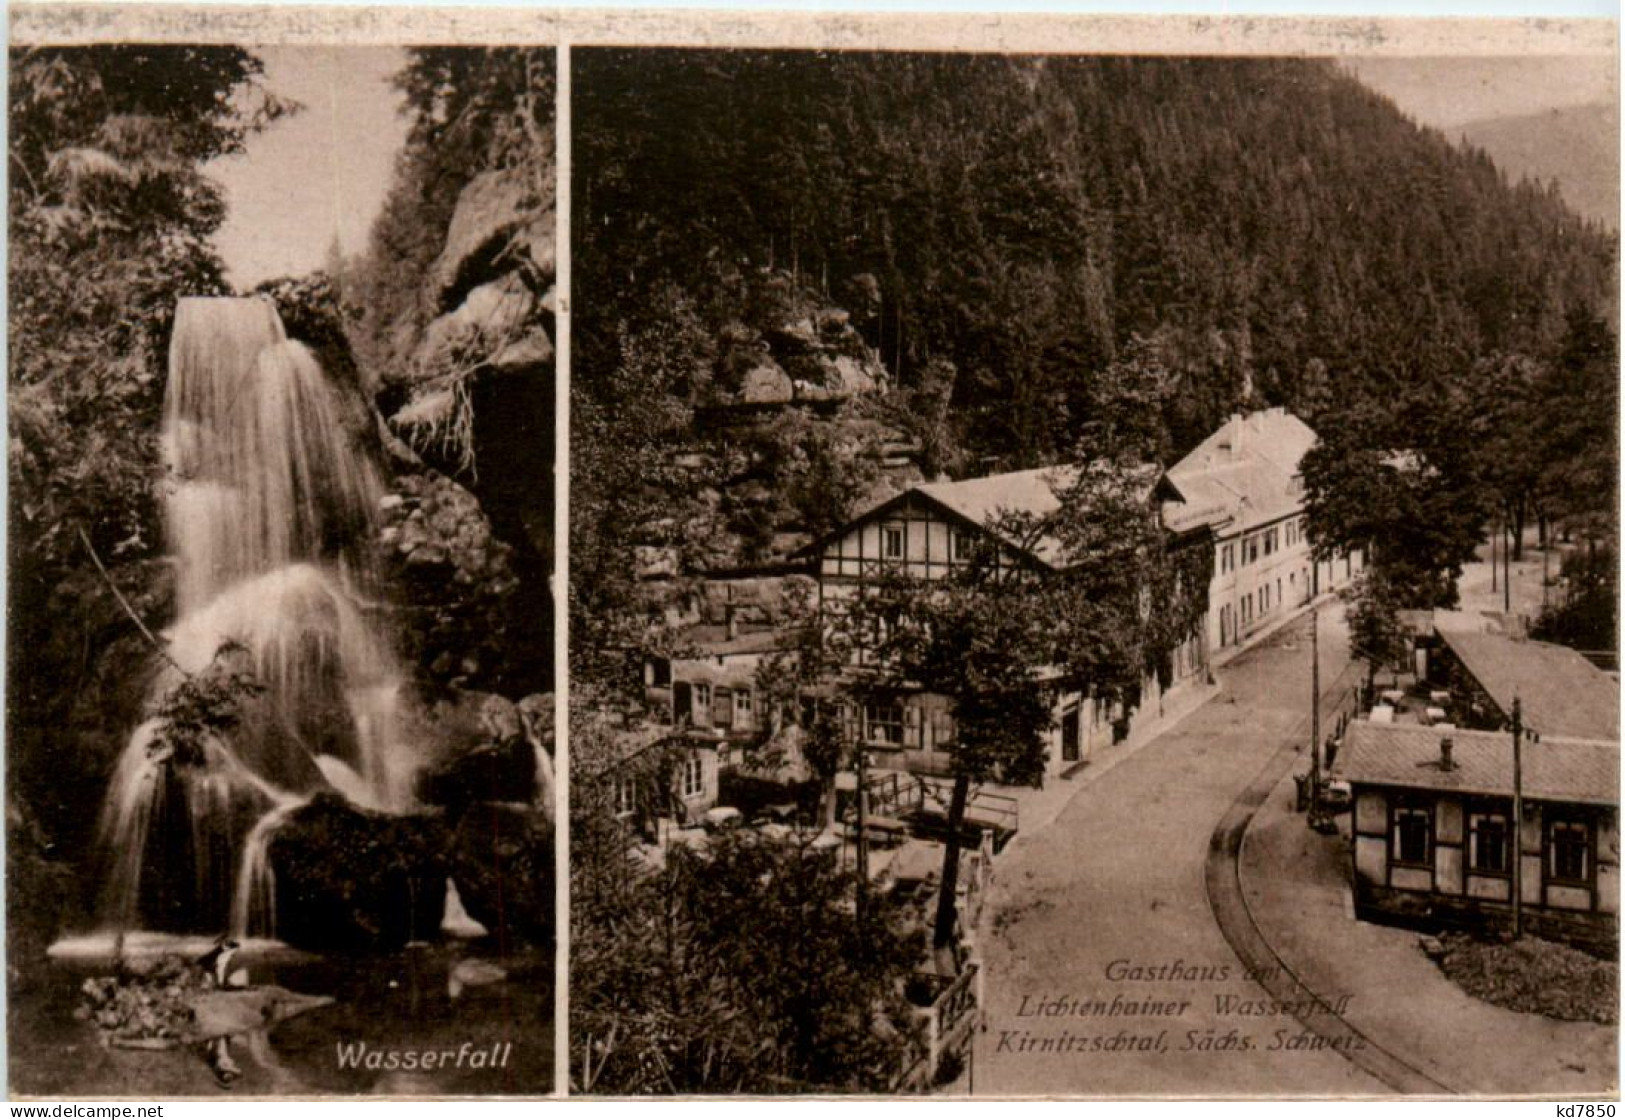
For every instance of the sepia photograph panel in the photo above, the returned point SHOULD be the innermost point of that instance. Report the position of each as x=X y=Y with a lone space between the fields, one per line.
x=1094 y=575
x=279 y=725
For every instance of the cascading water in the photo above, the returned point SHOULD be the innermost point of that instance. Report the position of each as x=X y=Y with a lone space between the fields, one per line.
x=269 y=509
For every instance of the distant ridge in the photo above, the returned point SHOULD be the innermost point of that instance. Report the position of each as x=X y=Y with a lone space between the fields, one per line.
x=1577 y=147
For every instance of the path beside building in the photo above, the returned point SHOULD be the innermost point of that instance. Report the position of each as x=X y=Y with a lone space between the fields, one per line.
x=1296 y=884
x=1106 y=913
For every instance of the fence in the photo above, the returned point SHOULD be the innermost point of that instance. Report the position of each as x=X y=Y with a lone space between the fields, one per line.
x=943 y=1030
x=900 y=794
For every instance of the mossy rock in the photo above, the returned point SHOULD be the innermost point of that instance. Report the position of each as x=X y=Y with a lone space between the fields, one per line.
x=502 y=863
x=350 y=880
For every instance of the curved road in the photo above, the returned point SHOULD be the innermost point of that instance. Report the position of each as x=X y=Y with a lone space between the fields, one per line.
x=1108 y=973
x=1229 y=904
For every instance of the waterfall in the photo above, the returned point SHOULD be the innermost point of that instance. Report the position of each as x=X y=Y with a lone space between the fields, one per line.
x=269 y=516
x=253 y=903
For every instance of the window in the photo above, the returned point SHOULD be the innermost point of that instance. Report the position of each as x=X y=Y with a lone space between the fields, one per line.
x=702 y=698
x=883 y=723
x=693 y=776
x=960 y=544
x=1568 y=851
x=1413 y=835
x=1489 y=851
x=1269 y=541
x=1251 y=549
x=742 y=705
x=626 y=796
x=891 y=542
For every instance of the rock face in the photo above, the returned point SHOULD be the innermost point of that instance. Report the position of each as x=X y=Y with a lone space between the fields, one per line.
x=796 y=347
x=502 y=863
x=455 y=578
x=349 y=880
x=475 y=401
x=499 y=211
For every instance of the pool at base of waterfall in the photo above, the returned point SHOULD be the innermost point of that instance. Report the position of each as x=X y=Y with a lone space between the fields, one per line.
x=446 y=1019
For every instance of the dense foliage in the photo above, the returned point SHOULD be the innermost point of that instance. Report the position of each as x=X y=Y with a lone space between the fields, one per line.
x=1586 y=613
x=1376 y=635
x=739 y=966
x=1027 y=217
x=1044 y=251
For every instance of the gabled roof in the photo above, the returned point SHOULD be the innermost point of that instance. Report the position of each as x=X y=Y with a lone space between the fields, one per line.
x=977 y=502
x=1408 y=755
x=1031 y=492
x=1561 y=692
x=1248 y=468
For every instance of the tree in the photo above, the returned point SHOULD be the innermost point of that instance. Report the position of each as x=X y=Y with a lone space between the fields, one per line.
x=980 y=637
x=1001 y=636
x=1417 y=513
x=1376 y=635
x=1576 y=410
x=1124 y=408
x=1586 y=617
x=739 y=967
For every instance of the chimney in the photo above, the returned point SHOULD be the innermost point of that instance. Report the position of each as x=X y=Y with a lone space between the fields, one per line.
x=1446 y=753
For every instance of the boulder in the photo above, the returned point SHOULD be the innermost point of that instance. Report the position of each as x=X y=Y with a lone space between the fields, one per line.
x=502 y=863
x=490 y=210
x=766 y=383
x=850 y=377
x=502 y=771
x=491 y=317
x=533 y=351
x=350 y=880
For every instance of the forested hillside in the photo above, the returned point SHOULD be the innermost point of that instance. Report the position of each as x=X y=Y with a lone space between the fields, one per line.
x=1026 y=245
x=1576 y=147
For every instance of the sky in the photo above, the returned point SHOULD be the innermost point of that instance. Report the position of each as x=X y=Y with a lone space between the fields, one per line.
x=318 y=174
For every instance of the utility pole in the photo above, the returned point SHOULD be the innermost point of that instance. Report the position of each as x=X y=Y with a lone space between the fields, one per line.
x=1314 y=718
x=1494 y=585
x=1517 y=818
x=863 y=833
x=1506 y=584
x=1545 y=572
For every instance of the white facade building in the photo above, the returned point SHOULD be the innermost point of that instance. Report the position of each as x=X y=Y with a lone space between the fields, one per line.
x=1246 y=475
